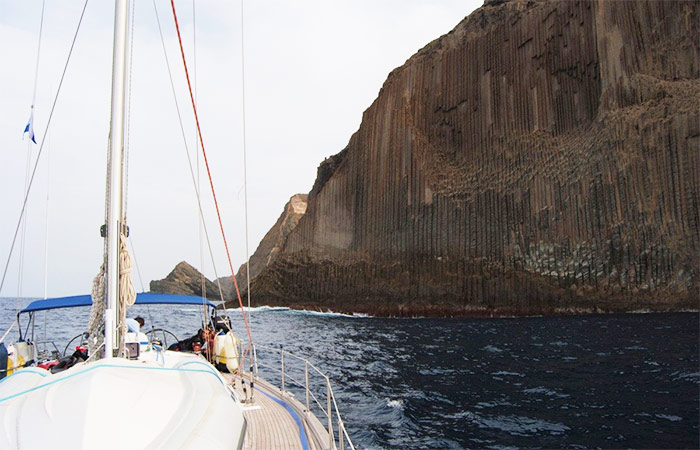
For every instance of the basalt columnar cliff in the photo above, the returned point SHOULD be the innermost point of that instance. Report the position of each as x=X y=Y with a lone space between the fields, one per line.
x=272 y=243
x=542 y=157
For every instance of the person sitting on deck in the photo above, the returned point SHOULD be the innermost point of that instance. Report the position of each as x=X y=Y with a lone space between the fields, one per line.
x=203 y=340
x=208 y=339
x=134 y=325
x=191 y=344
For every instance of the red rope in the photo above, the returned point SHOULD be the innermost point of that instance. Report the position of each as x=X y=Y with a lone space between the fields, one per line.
x=211 y=184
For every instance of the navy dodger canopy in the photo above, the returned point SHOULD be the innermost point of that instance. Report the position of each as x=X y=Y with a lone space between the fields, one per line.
x=144 y=298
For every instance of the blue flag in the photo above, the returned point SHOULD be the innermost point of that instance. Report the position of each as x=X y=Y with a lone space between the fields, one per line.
x=30 y=127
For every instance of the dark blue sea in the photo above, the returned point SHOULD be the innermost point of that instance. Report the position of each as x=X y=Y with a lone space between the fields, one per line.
x=595 y=381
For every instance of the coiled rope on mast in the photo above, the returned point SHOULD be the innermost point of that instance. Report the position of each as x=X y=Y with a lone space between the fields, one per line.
x=97 y=311
x=127 y=292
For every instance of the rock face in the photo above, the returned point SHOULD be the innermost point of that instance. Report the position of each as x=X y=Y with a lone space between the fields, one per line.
x=270 y=246
x=185 y=279
x=542 y=157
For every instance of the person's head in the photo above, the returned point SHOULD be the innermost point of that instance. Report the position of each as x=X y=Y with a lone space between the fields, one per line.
x=140 y=321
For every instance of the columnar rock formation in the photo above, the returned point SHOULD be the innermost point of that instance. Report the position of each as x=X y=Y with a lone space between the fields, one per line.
x=543 y=156
x=274 y=240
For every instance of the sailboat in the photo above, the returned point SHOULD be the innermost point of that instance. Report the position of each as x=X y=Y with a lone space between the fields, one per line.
x=123 y=388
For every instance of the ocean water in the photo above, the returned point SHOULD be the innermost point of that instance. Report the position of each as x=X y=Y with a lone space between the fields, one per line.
x=596 y=381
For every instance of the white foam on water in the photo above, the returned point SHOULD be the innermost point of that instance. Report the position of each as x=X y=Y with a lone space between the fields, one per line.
x=398 y=404
x=259 y=308
x=669 y=417
x=327 y=313
x=492 y=349
x=509 y=374
x=544 y=391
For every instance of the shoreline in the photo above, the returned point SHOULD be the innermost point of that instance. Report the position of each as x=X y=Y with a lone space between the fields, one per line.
x=432 y=312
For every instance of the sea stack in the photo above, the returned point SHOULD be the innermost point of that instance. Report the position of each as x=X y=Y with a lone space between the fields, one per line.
x=185 y=279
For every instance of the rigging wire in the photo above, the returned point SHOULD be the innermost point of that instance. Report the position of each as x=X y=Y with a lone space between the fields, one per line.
x=136 y=263
x=196 y=151
x=245 y=162
x=41 y=147
x=8 y=330
x=46 y=222
x=211 y=182
x=20 y=273
x=127 y=143
x=187 y=151
x=38 y=53
x=138 y=272
x=127 y=293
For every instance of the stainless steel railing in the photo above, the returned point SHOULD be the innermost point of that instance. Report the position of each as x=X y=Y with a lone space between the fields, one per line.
x=330 y=413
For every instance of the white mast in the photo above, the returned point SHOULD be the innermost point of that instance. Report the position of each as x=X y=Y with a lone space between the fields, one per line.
x=116 y=146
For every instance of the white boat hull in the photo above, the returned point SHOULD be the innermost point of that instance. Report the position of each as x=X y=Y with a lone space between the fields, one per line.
x=164 y=400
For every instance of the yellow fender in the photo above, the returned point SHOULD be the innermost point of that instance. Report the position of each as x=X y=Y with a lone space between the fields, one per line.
x=18 y=354
x=226 y=350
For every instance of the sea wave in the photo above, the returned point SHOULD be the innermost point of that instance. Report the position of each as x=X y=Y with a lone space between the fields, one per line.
x=327 y=313
x=398 y=404
x=669 y=417
x=515 y=425
x=506 y=373
x=693 y=376
x=543 y=390
x=306 y=312
x=259 y=309
x=492 y=349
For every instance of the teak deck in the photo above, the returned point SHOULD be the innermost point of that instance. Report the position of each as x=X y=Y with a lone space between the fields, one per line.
x=271 y=426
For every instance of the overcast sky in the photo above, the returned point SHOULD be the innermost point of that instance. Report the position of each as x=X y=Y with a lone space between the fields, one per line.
x=311 y=69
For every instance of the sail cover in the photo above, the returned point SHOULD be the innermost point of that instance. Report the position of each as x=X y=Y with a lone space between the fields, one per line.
x=144 y=298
